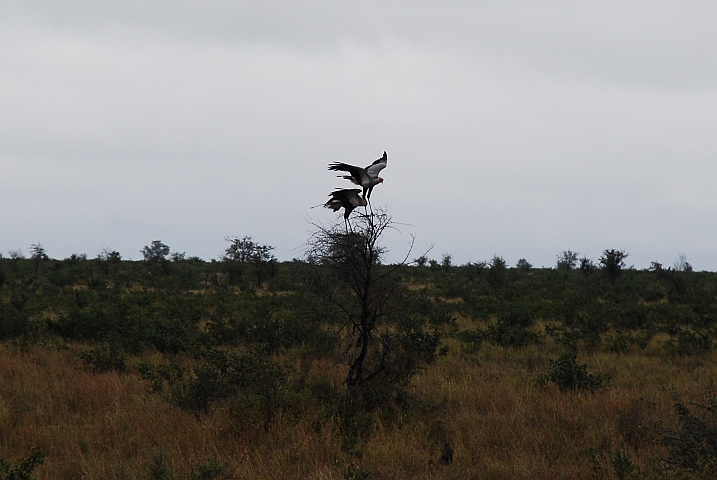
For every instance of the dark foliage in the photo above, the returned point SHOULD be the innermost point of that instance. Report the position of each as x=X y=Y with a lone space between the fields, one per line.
x=569 y=375
x=128 y=305
x=23 y=469
x=104 y=358
x=216 y=339
x=511 y=328
x=15 y=319
x=253 y=379
x=523 y=265
x=497 y=272
x=692 y=446
x=567 y=260
x=380 y=340
x=243 y=255
x=156 y=252
x=613 y=263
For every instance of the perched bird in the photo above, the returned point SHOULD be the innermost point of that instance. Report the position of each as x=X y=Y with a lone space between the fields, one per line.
x=348 y=199
x=364 y=177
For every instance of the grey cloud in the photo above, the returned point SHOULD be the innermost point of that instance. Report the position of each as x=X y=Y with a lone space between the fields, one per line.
x=665 y=44
x=511 y=128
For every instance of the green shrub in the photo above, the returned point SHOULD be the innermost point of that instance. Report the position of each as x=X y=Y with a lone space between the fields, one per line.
x=692 y=446
x=586 y=326
x=622 y=466
x=511 y=329
x=404 y=352
x=105 y=358
x=690 y=343
x=620 y=342
x=613 y=263
x=158 y=468
x=15 y=322
x=210 y=469
x=569 y=375
x=252 y=379
x=471 y=340
x=23 y=469
x=497 y=272
x=440 y=313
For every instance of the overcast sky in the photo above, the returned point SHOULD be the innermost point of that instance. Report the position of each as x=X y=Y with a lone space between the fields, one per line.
x=521 y=129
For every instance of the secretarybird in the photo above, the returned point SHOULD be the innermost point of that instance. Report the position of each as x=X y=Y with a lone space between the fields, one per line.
x=363 y=177
x=348 y=199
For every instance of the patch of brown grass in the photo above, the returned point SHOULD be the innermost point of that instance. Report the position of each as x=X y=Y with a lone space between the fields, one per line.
x=489 y=407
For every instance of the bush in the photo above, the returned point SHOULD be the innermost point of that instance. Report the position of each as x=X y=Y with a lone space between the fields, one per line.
x=622 y=466
x=588 y=326
x=408 y=352
x=613 y=263
x=620 y=342
x=105 y=358
x=512 y=330
x=497 y=272
x=253 y=379
x=690 y=343
x=15 y=322
x=567 y=260
x=209 y=470
x=23 y=469
x=569 y=375
x=692 y=446
x=523 y=265
x=472 y=340
x=587 y=267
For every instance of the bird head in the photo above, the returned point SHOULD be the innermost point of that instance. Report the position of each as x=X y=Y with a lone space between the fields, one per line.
x=380 y=180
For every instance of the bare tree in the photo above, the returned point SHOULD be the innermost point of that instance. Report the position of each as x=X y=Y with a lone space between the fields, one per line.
x=16 y=254
x=421 y=261
x=348 y=272
x=681 y=264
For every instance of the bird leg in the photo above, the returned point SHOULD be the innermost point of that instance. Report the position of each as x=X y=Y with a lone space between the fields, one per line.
x=367 y=204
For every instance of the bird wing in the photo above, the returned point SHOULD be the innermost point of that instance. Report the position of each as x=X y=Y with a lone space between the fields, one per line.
x=358 y=174
x=377 y=166
x=353 y=197
x=344 y=192
x=347 y=197
x=334 y=204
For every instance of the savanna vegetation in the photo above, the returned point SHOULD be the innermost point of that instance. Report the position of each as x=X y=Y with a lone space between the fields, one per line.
x=340 y=366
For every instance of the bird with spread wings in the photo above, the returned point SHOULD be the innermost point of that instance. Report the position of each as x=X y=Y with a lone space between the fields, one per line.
x=348 y=199
x=363 y=177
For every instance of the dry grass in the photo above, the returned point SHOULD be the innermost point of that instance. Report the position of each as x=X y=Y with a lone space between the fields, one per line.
x=499 y=421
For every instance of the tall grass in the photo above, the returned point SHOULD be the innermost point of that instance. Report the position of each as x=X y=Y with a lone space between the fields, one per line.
x=489 y=407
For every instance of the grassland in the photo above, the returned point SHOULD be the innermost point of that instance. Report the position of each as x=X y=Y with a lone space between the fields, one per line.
x=132 y=370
